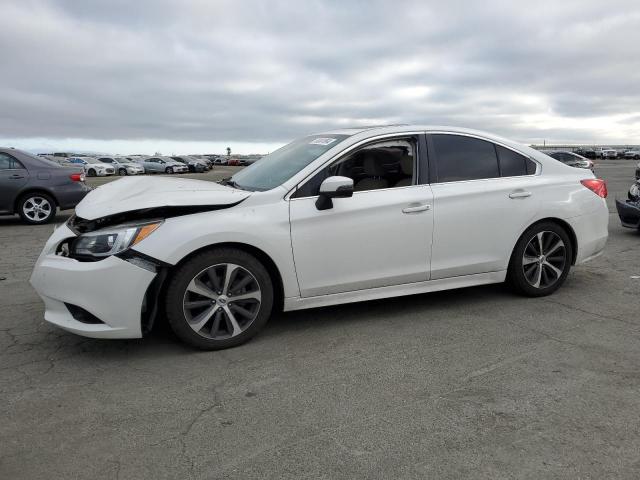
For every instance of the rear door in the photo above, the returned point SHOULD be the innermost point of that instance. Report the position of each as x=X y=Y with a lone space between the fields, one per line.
x=484 y=196
x=13 y=176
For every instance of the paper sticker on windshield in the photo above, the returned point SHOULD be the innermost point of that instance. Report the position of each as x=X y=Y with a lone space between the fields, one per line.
x=322 y=141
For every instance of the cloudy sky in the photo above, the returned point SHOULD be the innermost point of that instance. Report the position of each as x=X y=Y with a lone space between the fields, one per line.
x=188 y=76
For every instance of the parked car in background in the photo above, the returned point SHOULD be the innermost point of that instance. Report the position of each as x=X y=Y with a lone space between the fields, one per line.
x=635 y=154
x=343 y=216
x=159 y=164
x=92 y=166
x=123 y=166
x=194 y=165
x=587 y=153
x=638 y=171
x=629 y=210
x=571 y=159
x=236 y=162
x=609 y=153
x=220 y=161
x=34 y=187
x=205 y=159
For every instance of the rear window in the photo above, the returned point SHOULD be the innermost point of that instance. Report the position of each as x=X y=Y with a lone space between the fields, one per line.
x=464 y=158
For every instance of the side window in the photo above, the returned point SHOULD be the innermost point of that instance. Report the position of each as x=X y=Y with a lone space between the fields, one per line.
x=6 y=161
x=383 y=164
x=464 y=158
x=513 y=164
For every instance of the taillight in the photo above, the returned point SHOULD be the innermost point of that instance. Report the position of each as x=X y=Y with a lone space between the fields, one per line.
x=596 y=185
x=77 y=177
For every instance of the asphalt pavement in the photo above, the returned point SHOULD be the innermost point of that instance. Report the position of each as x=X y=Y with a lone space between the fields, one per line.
x=471 y=383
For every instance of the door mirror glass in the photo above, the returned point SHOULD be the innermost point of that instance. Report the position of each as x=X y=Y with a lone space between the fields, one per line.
x=333 y=187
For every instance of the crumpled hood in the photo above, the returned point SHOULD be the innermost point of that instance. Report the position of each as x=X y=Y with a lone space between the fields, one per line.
x=138 y=193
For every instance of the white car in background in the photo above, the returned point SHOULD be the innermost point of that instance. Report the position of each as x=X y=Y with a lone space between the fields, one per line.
x=92 y=166
x=343 y=216
x=634 y=154
x=609 y=153
x=123 y=165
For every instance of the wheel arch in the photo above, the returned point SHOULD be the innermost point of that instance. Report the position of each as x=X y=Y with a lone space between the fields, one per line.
x=561 y=223
x=30 y=190
x=261 y=255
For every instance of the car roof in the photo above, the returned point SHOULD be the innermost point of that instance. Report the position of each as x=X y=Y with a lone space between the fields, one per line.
x=363 y=133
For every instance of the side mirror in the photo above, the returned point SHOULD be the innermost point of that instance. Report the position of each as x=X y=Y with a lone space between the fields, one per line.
x=333 y=187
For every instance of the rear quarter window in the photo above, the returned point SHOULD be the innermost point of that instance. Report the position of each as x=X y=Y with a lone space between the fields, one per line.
x=513 y=164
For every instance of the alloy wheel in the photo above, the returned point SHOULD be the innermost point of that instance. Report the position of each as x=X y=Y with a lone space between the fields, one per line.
x=544 y=259
x=37 y=209
x=222 y=301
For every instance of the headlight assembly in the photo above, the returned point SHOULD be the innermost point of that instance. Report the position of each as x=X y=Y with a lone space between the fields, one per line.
x=112 y=240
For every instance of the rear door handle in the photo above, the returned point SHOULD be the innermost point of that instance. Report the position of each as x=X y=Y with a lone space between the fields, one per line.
x=520 y=194
x=16 y=176
x=416 y=208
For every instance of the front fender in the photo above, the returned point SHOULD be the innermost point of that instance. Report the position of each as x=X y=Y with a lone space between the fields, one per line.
x=265 y=227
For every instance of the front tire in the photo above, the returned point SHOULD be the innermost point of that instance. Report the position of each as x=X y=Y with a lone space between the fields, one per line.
x=169 y=170
x=122 y=172
x=219 y=299
x=37 y=208
x=91 y=173
x=541 y=260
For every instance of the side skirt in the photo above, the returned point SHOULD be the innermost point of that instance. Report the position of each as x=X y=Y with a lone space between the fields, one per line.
x=298 y=303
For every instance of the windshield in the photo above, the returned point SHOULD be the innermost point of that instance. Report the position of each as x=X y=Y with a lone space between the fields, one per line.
x=279 y=166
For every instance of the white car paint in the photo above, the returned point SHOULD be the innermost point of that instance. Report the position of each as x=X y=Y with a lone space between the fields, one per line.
x=376 y=244
x=136 y=193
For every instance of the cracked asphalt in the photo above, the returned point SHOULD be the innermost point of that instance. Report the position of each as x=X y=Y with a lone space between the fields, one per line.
x=472 y=383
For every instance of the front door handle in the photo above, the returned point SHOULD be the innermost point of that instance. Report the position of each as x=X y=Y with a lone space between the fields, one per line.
x=416 y=208
x=520 y=194
x=15 y=176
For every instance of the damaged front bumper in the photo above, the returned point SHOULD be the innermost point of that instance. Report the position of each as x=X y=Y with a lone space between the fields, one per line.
x=102 y=299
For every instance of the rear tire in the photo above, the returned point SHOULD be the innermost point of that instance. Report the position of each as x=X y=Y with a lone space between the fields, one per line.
x=219 y=299
x=37 y=208
x=541 y=260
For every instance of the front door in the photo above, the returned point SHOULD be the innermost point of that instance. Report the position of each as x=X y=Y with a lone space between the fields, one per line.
x=13 y=176
x=380 y=236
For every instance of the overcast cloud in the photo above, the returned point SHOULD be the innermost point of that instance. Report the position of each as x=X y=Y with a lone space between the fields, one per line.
x=194 y=75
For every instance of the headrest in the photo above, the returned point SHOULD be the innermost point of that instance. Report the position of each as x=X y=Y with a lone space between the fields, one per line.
x=372 y=167
x=406 y=164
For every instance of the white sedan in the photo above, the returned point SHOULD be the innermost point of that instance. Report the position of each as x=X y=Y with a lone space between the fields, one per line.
x=343 y=216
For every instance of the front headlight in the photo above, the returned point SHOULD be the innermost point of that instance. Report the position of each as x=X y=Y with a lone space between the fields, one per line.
x=113 y=240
